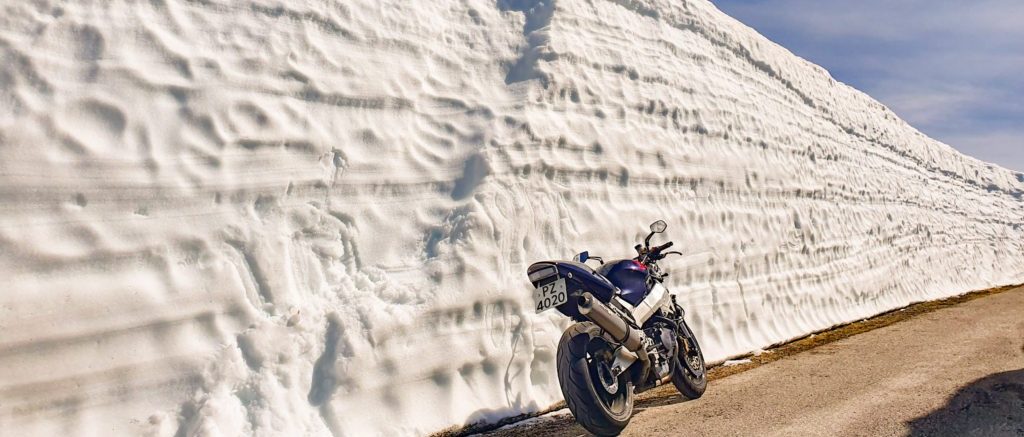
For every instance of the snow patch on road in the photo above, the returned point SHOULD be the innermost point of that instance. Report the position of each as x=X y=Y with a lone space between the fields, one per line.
x=554 y=416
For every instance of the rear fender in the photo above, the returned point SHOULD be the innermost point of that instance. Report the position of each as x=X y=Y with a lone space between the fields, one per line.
x=578 y=278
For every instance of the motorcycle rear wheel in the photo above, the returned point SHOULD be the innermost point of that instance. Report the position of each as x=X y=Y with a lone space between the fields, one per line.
x=689 y=375
x=597 y=410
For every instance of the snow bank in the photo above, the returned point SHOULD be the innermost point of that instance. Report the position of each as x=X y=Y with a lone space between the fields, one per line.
x=310 y=217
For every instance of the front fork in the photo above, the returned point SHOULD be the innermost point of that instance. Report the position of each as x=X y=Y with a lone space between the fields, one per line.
x=680 y=321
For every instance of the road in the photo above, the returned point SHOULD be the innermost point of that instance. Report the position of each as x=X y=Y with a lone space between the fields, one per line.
x=955 y=371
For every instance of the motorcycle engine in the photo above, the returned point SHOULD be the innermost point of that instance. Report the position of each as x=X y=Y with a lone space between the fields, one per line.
x=663 y=349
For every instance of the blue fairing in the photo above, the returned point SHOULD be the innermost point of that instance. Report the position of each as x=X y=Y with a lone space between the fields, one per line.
x=631 y=278
x=627 y=277
x=585 y=278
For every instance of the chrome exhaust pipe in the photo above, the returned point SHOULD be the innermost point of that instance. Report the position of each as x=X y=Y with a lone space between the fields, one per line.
x=611 y=323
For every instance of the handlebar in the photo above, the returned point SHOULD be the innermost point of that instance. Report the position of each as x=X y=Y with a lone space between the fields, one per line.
x=653 y=254
x=645 y=253
x=662 y=247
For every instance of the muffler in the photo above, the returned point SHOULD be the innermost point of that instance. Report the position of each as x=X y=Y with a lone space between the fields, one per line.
x=611 y=323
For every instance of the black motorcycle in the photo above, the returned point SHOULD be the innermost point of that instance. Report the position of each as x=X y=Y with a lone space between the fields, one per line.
x=630 y=334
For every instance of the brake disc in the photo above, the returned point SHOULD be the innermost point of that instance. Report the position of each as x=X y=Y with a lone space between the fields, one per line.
x=609 y=381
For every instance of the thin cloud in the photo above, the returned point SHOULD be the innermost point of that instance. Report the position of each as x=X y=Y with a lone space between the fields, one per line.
x=953 y=69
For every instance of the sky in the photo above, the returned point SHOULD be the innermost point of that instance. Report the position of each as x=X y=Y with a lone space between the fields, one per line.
x=954 y=69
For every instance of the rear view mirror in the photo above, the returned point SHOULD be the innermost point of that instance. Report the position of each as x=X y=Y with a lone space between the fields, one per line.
x=582 y=257
x=658 y=226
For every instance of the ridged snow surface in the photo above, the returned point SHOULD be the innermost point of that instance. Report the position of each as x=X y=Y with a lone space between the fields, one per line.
x=314 y=217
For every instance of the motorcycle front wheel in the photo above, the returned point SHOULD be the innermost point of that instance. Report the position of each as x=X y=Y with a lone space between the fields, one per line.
x=689 y=375
x=600 y=402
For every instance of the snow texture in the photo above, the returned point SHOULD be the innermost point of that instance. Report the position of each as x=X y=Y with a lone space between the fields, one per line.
x=313 y=217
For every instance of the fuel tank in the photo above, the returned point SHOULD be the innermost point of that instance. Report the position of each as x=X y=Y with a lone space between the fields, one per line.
x=629 y=276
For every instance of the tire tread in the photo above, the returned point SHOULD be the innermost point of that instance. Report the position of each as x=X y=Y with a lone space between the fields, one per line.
x=574 y=380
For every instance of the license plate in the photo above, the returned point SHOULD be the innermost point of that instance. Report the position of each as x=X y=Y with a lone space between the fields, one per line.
x=550 y=295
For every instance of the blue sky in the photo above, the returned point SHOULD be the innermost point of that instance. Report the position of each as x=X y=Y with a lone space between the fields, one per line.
x=952 y=68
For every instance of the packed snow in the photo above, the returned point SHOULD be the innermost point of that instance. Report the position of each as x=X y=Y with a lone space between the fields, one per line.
x=311 y=217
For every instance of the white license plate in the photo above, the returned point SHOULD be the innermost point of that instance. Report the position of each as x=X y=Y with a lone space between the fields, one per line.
x=550 y=295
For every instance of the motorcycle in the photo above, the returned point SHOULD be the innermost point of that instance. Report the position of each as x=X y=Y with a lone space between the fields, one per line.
x=630 y=334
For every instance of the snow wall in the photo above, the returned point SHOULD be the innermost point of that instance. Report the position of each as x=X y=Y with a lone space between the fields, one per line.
x=314 y=217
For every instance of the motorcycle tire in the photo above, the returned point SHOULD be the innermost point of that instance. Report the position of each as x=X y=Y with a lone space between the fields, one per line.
x=598 y=411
